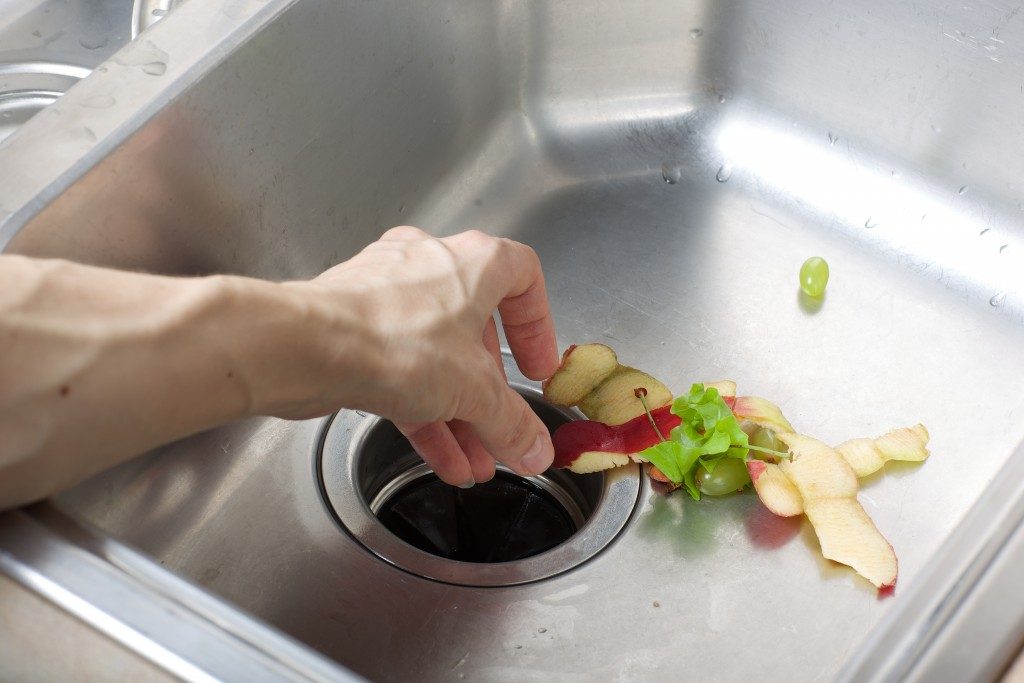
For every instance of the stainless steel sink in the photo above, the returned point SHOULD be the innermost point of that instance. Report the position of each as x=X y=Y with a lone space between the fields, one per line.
x=46 y=47
x=673 y=163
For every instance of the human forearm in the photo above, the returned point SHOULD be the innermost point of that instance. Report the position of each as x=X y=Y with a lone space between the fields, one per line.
x=97 y=365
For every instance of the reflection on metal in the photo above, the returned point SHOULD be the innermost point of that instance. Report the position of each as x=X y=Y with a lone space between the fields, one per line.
x=170 y=622
x=146 y=13
x=295 y=132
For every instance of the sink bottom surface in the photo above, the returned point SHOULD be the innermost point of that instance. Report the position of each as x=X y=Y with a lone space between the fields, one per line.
x=691 y=280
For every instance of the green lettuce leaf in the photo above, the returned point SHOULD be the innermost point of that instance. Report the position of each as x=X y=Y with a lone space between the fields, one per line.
x=708 y=432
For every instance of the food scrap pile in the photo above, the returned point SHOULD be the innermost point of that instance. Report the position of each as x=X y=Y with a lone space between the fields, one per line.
x=712 y=441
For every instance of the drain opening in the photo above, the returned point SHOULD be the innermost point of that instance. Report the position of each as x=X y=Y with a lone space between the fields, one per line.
x=508 y=518
x=507 y=531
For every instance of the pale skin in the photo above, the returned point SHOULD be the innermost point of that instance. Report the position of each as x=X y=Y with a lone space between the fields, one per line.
x=98 y=365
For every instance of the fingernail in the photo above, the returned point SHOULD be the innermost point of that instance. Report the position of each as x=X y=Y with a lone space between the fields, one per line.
x=535 y=460
x=468 y=484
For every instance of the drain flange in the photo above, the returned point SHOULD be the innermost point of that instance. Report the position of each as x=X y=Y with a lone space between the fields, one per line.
x=508 y=531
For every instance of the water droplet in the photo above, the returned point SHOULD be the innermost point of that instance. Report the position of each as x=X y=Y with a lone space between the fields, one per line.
x=1003 y=248
x=37 y=33
x=671 y=173
x=965 y=165
x=154 y=68
x=997 y=299
x=832 y=138
x=142 y=54
x=870 y=223
x=936 y=129
x=99 y=102
x=102 y=69
x=90 y=135
x=401 y=209
x=696 y=32
x=92 y=43
x=894 y=173
x=724 y=173
x=542 y=630
x=519 y=647
x=984 y=231
x=721 y=99
x=962 y=190
x=159 y=12
x=924 y=215
x=6 y=115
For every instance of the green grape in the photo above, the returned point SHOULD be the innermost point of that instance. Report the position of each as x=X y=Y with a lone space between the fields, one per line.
x=765 y=438
x=814 y=276
x=729 y=475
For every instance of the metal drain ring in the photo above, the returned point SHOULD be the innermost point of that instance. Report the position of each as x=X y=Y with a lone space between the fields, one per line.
x=339 y=456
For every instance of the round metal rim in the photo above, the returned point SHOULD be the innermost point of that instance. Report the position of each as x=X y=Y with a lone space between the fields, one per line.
x=28 y=98
x=619 y=497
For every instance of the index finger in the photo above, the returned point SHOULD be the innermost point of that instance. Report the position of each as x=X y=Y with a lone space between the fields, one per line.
x=526 y=314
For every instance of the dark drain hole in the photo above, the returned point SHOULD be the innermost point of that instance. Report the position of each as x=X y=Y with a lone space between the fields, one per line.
x=508 y=518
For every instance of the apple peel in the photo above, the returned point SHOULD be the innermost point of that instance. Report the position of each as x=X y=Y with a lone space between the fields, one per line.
x=866 y=456
x=761 y=412
x=596 y=461
x=574 y=439
x=614 y=401
x=582 y=370
x=828 y=486
x=774 y=488
x=726 y=388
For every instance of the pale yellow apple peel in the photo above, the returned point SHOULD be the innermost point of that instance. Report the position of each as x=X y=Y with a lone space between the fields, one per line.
x=828 y=487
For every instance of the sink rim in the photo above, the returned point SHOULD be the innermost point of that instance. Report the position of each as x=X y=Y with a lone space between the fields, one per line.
x=153 y=612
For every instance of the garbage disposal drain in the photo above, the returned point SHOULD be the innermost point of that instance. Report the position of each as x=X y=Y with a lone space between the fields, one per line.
x=507 y=531
x=505 y=519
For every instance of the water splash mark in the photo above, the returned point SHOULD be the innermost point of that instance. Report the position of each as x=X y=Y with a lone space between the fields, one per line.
x=147 y=55
x=93 y=43
x=671 y=173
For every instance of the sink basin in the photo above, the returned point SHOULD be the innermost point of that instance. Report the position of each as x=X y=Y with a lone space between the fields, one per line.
x=673 y=164
x=46 y=47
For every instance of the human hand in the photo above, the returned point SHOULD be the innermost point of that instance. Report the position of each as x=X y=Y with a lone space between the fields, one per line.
x=409 y=334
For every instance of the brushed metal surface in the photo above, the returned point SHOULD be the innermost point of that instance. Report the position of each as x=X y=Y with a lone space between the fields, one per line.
x=885 y=137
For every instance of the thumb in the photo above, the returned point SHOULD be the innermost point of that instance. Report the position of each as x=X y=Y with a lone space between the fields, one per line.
x=511 y=431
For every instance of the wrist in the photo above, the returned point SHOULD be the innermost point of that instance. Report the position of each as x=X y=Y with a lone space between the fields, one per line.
x=296 y=349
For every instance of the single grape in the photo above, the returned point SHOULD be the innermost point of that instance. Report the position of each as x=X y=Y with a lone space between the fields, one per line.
x=814 y=276
x=729 y=475
x=765 y=438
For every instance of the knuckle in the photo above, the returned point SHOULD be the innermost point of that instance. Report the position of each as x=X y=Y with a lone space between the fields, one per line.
x=481 y=244
x=404 y=232
x=477 y=237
